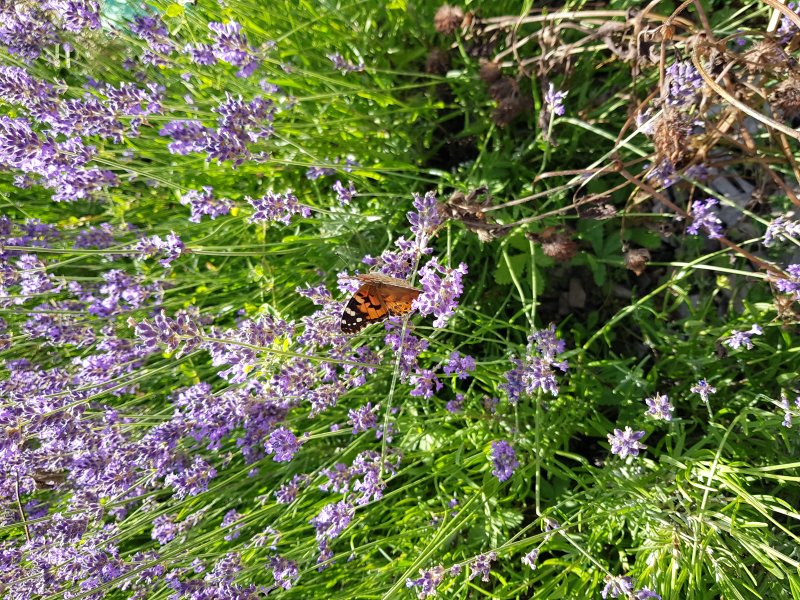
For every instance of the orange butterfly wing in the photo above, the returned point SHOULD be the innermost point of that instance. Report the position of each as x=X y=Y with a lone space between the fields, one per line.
x=378 y=297
x=398 y=299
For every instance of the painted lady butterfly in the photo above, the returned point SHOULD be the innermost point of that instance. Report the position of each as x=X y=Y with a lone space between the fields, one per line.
x=378 y=297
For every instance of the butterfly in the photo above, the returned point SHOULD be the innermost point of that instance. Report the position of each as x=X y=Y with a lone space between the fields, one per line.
x=378 y=297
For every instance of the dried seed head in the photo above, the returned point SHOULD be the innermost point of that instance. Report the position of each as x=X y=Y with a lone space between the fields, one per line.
x=560 y=248
x=785 y=98
x=600 y=211
x=636 y=260
x=504 y=89
x=671 y=136
x=438 y=62
x=448 y=19
x=509 y=109
x=489 y=71
x=767 y=55
x=557 y=245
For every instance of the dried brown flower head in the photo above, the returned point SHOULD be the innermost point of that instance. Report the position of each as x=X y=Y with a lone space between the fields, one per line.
x=767 y=55
x=437 y=62
x=504 y=88
x=448 y=19
x=785 y=98
x=671 y=136
x=600 y=211
x=509 y=109
x=557 y=245
x=469 y=211
x=636 y=260
x=489 y=71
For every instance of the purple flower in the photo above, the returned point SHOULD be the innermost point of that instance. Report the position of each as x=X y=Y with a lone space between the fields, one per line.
x=268 y=87
x=204 y=203
x=191 y=480
x=624 y=443
x=200 y=54
x=33 y=276
x=787 y=29
x=742 y=338
x=340 y=64
x=332 y=520
x=504 y=460
x=790 y=284
x=781 y=229
x=249 y=121
x=339 y=478
x=284 y=571
x=171 y=247
x=101 y=236
x=481 y=565
x=26 y=31
x=232 y=518
x=537 y=370
x=699 y=172
x=458 y=365
x=366 y=472
x=646 y=594
x=315 y=172
x=659 y=407
x=187 y=136
x=20 y=146
x=684 y=83
x=287 y=493
x=441 y=287
x=703 y=218
x=230 y=45
x=428 y=581
x=456 y=404
x=181 y=332
x=490 y=404
x=152 y=30
x=18 y=87
x=617 y=586
x=268 y=538
x=664 y=173
x=164 y=530
x=277 y=207
x=319 y=295
x=427 y=219
x=425 y=383
x=238 y=124
x=555 y=99
x=787 y=409
x=703 y=388
x=530 y=558
x=283 y=444
x=363 y=418
x=345 y=194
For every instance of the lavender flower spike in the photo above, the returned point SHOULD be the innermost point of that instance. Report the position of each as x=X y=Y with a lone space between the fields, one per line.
x=624 y=443
x=703 y=218
x=555 y=99
x=504 y=460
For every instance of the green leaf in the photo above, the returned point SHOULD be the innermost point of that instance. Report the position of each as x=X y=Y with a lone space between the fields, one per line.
x=518 y=262
x=174 y=10
x=644 y=238
x=598 y=269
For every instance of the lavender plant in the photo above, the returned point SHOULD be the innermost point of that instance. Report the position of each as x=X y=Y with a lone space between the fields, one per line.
x=593 y=394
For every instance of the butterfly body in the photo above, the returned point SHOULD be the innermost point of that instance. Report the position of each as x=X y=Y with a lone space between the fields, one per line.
x=378 y=297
